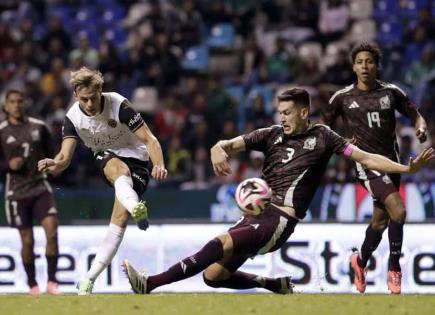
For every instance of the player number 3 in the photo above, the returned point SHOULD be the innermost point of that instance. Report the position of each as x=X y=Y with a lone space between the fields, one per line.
x=290 y=152
x=373 y=118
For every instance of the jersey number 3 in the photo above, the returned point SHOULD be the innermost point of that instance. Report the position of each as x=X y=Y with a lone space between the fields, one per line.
x=290 y=153
x=373 y=118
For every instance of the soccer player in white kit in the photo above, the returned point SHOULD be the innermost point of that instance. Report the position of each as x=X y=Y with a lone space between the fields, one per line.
x=122 y=144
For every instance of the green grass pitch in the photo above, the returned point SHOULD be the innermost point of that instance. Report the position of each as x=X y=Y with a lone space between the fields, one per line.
x=218 y=303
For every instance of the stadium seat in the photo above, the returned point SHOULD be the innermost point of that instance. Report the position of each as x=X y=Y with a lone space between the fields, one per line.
x=64 y=13
x=362 y=31
x=410 y=9
x=91 y=34
x=86 y=16
x=112 y=15
x=360 y=9
x=144 y=99
x=385 y=8
x=117 y=35
x=266 y=92
x=195 y=58
x=390 y=33
x=221 y=35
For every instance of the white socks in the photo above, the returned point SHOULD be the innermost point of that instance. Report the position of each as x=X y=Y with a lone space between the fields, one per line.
x=124 y=192
x=106 y=251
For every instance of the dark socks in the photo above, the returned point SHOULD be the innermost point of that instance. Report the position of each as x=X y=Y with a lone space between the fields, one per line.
x=395 y=236
x=30 y=271
x=371 y=242
x=243 y=280
x=51 y=267
x=190 y=266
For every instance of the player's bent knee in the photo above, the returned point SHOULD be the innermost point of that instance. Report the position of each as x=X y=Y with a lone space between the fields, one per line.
x=211 y=283
x=379 y=226
x=399 y=216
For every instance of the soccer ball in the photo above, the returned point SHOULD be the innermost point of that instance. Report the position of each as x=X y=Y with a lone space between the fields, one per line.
x=253 y=195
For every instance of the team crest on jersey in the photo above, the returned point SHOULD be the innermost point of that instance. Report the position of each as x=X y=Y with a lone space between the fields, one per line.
x=385 y=102
x=35 y=135
x=310 y=143
x=386 y=179
x=112 y=123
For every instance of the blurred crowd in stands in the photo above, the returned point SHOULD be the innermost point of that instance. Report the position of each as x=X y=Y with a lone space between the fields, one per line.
x=202 y=70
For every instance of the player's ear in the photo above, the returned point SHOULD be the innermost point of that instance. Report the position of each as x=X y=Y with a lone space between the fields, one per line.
x=305 y=111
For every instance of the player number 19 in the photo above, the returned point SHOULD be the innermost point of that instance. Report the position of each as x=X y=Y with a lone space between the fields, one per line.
x=373 y=118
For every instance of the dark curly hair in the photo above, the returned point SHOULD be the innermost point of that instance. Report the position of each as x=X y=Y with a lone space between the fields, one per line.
x=371 y=48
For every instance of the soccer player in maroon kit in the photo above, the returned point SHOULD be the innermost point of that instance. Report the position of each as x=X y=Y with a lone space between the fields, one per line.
x=24 y=140
x=368 y=112
x=296 y=156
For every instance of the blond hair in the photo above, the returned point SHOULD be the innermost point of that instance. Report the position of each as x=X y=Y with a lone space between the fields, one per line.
x=87 y=78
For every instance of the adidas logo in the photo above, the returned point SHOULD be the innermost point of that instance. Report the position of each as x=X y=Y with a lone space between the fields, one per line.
x=354 y=105
x=10 y=139
x=52 y=210
x=255 y=226
x=279 y=140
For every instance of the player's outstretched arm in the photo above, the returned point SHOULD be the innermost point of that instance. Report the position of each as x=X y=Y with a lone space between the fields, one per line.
x=155 y=150
x=221 y=150
x=61 y=161
x=382 y=164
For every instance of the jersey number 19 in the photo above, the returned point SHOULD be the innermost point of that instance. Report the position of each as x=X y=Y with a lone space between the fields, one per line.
x=373 y=118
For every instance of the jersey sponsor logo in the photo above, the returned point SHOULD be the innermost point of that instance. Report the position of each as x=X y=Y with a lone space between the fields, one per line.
x=385 y=102
x=279 y=140
x=310 y=143
x=134 y=120
x=354 y=104
x=35 y=135
x=11 y=139
x=139 y=178
x=112 y=123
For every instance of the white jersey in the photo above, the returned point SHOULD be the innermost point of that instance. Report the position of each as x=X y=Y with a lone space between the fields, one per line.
x=110 y=130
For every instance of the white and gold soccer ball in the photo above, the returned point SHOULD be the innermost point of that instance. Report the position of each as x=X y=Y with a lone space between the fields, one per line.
x=253 y=195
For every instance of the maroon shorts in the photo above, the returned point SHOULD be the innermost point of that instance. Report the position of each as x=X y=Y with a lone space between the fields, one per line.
x=260 y=234
x=381 y=186
x=20 y=213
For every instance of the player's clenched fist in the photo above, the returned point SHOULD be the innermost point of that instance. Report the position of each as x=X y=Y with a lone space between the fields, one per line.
x=159 y=172
x=47 y=165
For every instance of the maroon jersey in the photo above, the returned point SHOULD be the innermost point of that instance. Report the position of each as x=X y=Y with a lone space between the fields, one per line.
x=369 y=116
x=31 y=141
x=294 y=165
